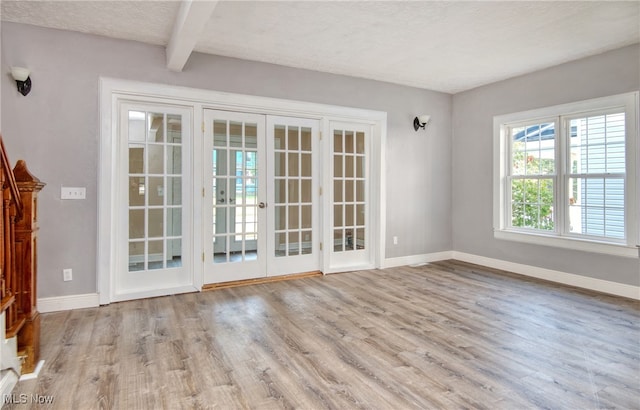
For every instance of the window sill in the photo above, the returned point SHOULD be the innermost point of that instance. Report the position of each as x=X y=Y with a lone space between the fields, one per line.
x=568 y=243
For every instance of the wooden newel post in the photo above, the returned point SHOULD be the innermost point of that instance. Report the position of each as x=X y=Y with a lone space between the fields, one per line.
x=26 y=234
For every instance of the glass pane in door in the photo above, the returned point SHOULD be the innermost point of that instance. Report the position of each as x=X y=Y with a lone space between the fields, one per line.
x=292 y=162
x=349 y=177
x=155 y=190
x=234 y=184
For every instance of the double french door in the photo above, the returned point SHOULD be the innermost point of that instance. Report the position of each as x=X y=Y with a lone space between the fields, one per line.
x=262 y=212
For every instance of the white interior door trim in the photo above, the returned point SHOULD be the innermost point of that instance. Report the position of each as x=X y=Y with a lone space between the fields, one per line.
x=114 y=90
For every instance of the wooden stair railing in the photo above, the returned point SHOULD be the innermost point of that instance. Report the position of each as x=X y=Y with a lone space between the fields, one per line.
x=18 y=257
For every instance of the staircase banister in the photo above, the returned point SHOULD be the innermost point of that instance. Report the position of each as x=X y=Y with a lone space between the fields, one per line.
x=11 y=180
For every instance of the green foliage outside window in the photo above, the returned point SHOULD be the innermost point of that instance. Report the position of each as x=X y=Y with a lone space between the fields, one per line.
x=532 y=198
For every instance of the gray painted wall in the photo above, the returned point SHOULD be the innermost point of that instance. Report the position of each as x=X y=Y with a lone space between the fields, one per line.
x=606 y=74
x=56 y=130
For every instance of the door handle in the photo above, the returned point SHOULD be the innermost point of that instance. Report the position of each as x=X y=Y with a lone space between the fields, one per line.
x=262 y=205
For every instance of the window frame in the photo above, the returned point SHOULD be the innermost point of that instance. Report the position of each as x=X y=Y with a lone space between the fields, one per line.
x=554 y=177
x=561 y=236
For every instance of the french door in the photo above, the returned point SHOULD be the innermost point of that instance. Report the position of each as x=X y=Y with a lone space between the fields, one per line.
x=350 y=193
x=234 y=196
x=242 y=199
x=293 y=172
x=261 y=212
x=154 y=231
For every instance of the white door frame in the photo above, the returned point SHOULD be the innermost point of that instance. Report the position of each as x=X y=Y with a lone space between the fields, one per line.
x=113 y=91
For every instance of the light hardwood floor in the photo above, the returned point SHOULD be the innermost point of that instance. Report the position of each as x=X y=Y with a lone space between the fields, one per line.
x=444 y=335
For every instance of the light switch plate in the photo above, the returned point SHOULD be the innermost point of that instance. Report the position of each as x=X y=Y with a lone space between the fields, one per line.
x=67 y=192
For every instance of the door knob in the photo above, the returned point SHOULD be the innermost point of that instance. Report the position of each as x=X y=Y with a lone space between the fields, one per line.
x=262 y=205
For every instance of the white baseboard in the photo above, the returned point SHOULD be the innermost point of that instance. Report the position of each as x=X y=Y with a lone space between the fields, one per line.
x=88 y=300
x=585 y=282
x=34 y=375
x=58 y=303
x=414 y=259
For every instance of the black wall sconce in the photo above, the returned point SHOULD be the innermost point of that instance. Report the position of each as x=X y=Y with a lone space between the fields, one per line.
x=23 y=81
x=421 y=122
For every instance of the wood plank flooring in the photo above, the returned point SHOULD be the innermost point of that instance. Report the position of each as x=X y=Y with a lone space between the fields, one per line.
x=439 y=336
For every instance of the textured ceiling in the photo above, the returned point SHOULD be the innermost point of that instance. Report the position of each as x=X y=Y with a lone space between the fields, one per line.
x=447 y=46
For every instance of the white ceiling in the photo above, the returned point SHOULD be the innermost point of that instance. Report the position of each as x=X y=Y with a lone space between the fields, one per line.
x=447 y=46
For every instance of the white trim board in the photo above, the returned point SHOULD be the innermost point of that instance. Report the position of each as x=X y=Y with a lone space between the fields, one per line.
x=89 y=300
x=34 y=374
x=415 y=259
x=585 y=282
x=59 y=303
